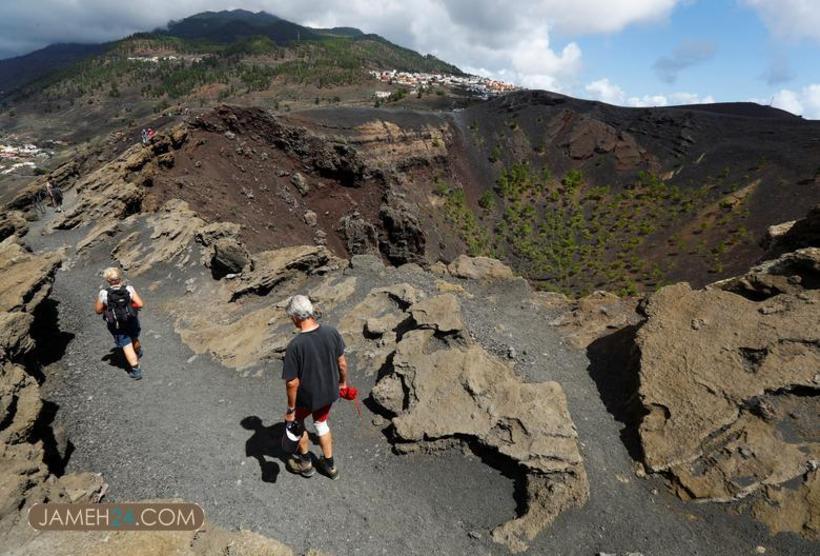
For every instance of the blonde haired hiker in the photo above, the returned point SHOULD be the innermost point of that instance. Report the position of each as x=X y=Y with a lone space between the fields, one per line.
x=119 y=304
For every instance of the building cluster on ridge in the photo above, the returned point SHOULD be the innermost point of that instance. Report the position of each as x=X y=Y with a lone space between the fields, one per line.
x=16 y=157
x=158 y=59
x=482 y=86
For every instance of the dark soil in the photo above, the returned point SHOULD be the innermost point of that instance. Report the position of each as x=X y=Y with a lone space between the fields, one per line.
x=711 y=154
x=196 y=430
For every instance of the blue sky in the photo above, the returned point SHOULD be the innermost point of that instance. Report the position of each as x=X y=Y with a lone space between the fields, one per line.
x=628 y=52
x=747 y=60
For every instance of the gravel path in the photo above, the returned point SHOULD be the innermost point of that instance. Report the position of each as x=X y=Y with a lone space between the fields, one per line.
x=624 y=514
x=196 y=430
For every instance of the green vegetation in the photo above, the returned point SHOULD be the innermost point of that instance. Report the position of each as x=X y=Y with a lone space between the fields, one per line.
x=256 y=78
x=573 y=180
x=250 y=64
x=461 y=216
x=570 y=236
x=487 y=201
x=172 y=79
x=335 y=61
x=397 y=95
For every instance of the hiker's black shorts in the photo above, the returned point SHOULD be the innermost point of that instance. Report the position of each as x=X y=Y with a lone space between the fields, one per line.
x=126 y=333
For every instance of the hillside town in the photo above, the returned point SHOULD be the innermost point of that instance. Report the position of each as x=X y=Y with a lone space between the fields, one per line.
x=16 y=157
x=169 y=58
x=482 y=86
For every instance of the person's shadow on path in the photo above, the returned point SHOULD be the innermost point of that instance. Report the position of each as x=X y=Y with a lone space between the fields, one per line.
x=265 y=445
x=116 y=358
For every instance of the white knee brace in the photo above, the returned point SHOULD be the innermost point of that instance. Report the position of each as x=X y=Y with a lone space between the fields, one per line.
x=321 y=428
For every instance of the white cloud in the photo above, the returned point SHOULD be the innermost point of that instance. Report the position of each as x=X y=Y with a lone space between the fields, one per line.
x=538 y=66
x=791 y=19
x=805 y=102
x=606 y=91
x=812 y=100
x=673 y=99
x=690 y=98
x=508 y=41
x=647 y=100
x=578 y=17
x=788 y=100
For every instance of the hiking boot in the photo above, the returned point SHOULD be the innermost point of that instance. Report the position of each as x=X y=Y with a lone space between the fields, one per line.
x=301 y=466
x=136 y=374
x=328 y=470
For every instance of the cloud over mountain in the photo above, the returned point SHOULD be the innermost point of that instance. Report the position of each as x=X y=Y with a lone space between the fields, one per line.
x=513 y=41
x=804 y=102
x=609 y=92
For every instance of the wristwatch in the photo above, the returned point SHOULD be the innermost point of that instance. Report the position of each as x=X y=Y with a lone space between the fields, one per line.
x=291 y=410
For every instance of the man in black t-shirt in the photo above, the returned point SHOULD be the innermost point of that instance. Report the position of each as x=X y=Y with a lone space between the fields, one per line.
x=314 y=370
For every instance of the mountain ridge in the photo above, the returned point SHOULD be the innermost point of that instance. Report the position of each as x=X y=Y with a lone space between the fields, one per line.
x=203 y=30
x=16 y=71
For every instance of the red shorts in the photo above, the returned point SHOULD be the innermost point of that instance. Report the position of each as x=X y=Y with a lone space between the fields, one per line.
x=319 y=415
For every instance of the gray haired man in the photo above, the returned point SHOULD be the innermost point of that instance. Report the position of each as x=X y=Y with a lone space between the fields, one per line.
x=314 y=370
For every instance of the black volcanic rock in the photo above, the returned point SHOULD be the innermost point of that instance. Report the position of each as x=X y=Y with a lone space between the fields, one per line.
x=404 y=240
x=230 y=257
x=361 y=235
x=804 y=233
x=672 y=193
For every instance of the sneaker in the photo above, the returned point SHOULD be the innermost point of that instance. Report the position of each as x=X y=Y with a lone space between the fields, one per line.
x=301 y=466
x=327 y=469
x=141 y=353
x=136 y=374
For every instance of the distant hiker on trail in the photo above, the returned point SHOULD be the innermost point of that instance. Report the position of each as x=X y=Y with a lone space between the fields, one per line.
x=315 y=371
x=39 y=201
x=56 y=195
x=147 y=135
x=119 y=304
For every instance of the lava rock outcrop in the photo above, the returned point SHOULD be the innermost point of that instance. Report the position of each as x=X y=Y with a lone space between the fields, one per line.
x=729 y=378
x=443 y=389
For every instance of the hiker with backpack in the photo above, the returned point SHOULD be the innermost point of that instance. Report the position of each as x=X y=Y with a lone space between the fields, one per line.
x=40 y=201
x=56 y=195
x=147 y=135
x=119 y=304
x=315 y=374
